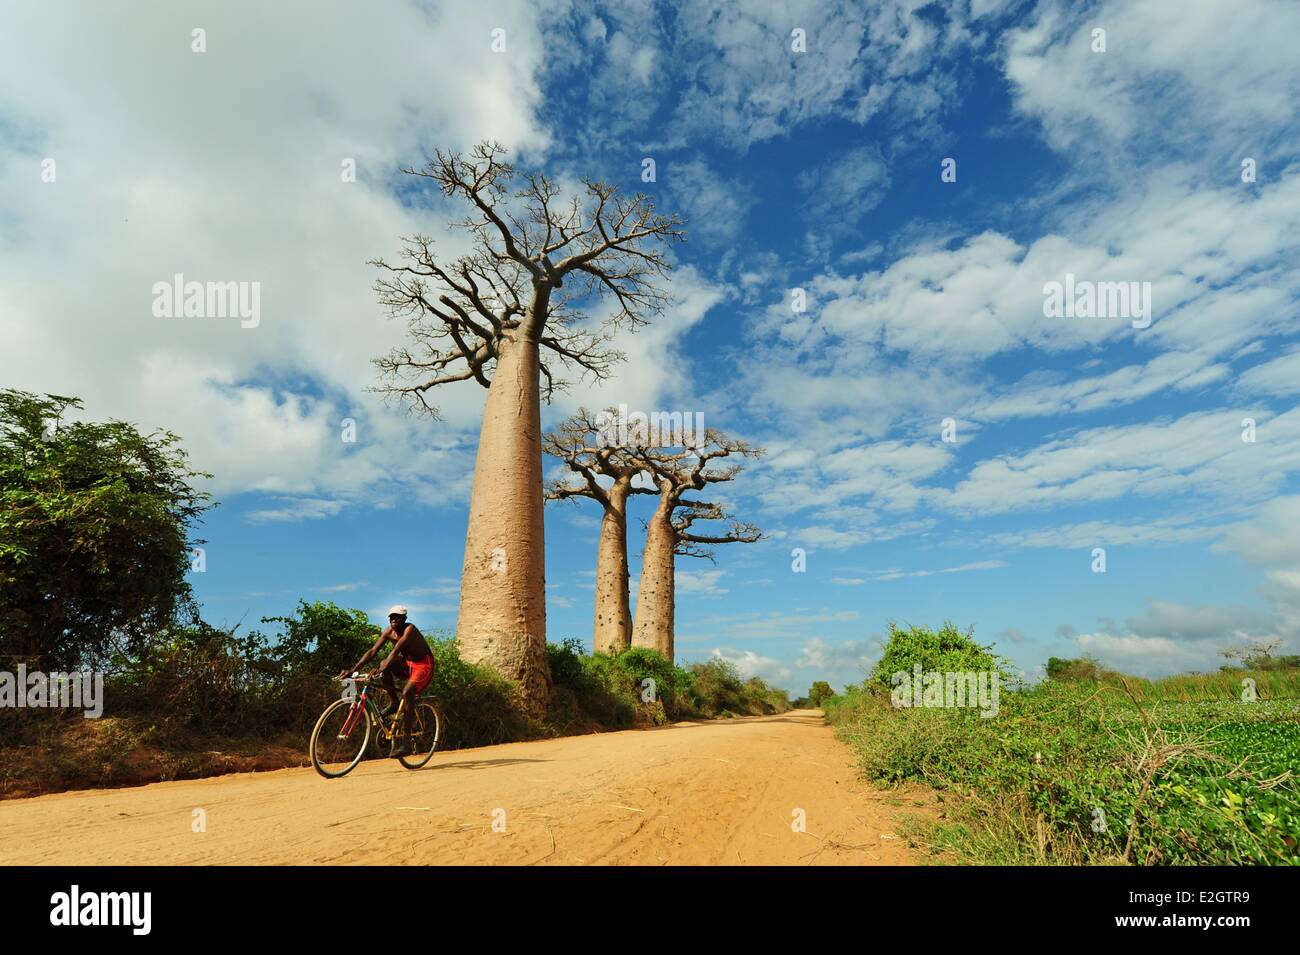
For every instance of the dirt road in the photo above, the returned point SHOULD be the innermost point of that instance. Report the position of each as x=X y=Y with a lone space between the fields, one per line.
x=724 y=792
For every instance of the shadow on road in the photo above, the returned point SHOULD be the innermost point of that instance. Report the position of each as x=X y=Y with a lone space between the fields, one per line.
x=479 y=763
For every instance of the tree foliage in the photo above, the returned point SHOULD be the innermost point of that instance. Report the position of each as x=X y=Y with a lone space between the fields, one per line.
x=819 y=693
x=94 y=532
x=1258 y=655
x=946 y=650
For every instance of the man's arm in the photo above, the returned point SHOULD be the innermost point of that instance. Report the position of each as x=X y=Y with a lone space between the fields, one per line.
x=369 y=654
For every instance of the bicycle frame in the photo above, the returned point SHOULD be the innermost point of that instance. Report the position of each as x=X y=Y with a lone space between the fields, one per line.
x=363 y=704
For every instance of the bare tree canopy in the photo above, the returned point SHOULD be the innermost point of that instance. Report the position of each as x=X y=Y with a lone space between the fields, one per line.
x=536 y=262
x=691 y=469
x=692 y=544
x=577 y=442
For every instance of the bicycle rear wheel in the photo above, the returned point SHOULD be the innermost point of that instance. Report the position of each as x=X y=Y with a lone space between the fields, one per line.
x=427 y=735
x=339 y=740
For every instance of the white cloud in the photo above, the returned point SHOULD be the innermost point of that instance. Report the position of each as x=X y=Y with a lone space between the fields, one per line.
x=767 y=625
x=1086 y=534
x=897 y=574
x=1279 y=376
x=297 y=509
x=656 y=368
x=342 y=588
x=818 y=654
x=1201 y=452
x=1164 y=619
x=747 y=86
x=1155 y=655
x=1272 y=537
x=751 y=664
x=700 y=583
x=713 y=207
x=855 y=179
x=226 y=165
x=1238 y=91
x=1216 y=260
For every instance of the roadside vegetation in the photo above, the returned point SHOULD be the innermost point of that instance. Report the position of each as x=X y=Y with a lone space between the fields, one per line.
x=96 y=539
x=1089 y=766
x=200 y=701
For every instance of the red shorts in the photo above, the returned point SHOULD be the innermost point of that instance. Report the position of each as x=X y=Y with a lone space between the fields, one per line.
x=420 y=673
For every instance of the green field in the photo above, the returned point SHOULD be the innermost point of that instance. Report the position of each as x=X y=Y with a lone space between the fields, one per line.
x=1119 y=770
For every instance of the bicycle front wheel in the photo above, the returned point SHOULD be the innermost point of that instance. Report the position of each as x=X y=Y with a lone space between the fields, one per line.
x=426 y=737
x=339 y=740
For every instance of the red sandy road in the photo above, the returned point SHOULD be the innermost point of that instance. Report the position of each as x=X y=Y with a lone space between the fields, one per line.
x=722 y=792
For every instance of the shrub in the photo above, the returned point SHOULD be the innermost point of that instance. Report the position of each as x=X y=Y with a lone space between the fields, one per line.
x=716 y=687
x=819 y=693
x=481 y=706
x=717 y=690
x=587 y=690
x=194 y=685
x=945 y=650
x=1084 y=668
x=671 y=684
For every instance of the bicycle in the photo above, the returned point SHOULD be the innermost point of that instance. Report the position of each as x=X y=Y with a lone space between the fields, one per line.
x=342 y=734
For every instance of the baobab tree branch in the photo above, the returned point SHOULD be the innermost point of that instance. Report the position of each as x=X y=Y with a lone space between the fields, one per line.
x=508 y=289
x=558 y=490
x=480 y=180
x=689 y=469
x=739 y=532
x=577 y=442
x=590 y=487
x=690 y=544
x=584 y=351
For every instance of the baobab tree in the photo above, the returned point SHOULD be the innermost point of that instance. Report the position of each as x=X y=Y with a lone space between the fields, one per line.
x=509 y=315
x=668 y=532
x=606 y=475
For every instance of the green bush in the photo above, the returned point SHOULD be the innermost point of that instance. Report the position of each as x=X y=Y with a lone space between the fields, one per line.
x=946 y=650
x=819 y=693
x=1084 y=668
x=587 y=690
x=640 y=686
x=716 y=688
x=718 y=691
x=481 y=707
x=671 y=683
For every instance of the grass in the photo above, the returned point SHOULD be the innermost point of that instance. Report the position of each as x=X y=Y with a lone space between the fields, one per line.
x=1118 y=770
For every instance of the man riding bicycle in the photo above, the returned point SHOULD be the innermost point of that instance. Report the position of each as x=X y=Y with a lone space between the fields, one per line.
x=410 y=659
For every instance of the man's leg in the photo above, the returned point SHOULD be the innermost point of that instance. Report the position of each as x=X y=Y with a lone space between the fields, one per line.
x=388 y=678
x=408 y=720
x=392 y=670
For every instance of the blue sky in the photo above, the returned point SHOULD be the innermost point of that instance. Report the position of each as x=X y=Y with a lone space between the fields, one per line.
x=815 y=170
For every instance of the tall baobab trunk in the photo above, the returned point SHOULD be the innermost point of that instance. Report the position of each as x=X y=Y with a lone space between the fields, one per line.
x=612 y=632
x=471 y=310
x=655 y=606
x=502 y=620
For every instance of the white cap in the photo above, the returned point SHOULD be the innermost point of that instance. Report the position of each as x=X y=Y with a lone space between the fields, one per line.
x=399 y=610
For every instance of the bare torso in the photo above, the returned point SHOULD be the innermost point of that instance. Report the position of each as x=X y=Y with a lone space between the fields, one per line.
x=415 y=649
